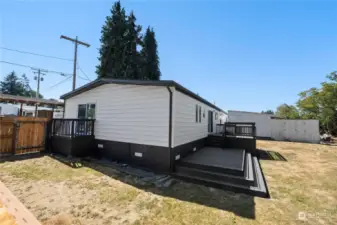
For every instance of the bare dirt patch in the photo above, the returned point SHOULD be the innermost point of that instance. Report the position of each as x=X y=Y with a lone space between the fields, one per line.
x=58 y=194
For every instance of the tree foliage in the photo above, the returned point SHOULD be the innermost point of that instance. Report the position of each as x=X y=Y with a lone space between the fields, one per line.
x=13 y=85
x=268 y=111
x=113 y=44
x=316 y=103
x=321 y=103
x=119 y=55
x=149 y=53
x=287 y=112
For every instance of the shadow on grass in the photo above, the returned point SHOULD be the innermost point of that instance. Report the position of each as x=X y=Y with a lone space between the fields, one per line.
x=270 y=155
x=12 y=158
x=240 y=204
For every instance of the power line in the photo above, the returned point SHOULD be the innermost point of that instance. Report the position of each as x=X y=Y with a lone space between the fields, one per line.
x=83 y=73
x=36 y=54
x=34 y=68
x=60 y=82
x=83 y=78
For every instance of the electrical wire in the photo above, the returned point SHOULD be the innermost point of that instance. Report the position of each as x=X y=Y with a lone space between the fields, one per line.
x=78 y=66
x=34 y=68
x=62 y=81
x=36 y=54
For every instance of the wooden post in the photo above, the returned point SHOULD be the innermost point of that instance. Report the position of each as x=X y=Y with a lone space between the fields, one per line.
x=20 y=113
x=14 y=137
x=35 y=110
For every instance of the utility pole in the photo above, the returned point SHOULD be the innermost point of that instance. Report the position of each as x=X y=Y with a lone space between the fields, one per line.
x=76 y=42
x=38 y=78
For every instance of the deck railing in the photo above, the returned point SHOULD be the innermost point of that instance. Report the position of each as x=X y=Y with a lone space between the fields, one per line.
x=236 y=129
x=73 y=127
x=240 y=129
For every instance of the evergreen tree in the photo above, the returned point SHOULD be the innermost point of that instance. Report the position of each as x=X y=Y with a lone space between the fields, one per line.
x=26 y=86
x=12 y=85
x=133 y=39
x=113 y=44
x=150 y=59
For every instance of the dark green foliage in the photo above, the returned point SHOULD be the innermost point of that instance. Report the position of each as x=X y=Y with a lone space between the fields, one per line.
x=133 y=39
x=13 y=85
x=113 y=44
x=150 y=58
x=269 y=111
x=119 y=56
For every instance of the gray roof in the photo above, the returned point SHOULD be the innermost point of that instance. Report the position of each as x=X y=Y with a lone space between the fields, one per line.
x=165 y=83
x=21 y=99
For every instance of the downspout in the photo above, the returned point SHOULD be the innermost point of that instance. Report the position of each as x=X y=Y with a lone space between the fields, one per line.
x=170 y=130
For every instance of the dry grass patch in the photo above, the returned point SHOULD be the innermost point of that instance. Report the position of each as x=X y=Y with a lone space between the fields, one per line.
x=58 y=194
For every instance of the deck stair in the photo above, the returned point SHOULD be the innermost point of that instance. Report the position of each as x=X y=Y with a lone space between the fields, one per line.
x=229 y=169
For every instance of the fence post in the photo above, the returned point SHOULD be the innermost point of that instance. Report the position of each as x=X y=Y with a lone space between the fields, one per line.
x=14 y=136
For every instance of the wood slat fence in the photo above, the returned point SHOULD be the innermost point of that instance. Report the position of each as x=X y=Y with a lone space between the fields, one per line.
x=21 y=135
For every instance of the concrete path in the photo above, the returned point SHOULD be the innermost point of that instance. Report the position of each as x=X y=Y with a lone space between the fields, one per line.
x=12 y=211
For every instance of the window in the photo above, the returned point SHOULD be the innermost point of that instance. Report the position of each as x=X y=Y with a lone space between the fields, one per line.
x=199 y=114
x=196 y=113
x=86 y=111
x=216 y=116
x=91 y=111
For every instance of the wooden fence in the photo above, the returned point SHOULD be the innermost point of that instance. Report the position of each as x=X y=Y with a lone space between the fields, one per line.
x=20 y=135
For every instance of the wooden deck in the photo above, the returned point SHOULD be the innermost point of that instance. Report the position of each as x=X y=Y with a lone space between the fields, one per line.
x=227 y=158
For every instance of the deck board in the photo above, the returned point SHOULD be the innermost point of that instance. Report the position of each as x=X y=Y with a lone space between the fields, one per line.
x=217 y=157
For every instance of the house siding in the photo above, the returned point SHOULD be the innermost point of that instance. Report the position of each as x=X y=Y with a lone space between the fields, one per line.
x=127 y=113
x=185 y=127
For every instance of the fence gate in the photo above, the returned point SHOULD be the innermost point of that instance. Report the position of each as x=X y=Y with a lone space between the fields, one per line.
x=21 y=135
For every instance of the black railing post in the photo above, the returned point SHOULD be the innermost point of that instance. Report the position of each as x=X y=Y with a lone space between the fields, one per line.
x=92 y=127
x=72 y=128
x=224 y=131
x=53 y=127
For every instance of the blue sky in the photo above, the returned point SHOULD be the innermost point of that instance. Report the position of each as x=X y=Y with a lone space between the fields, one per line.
x=244 y=55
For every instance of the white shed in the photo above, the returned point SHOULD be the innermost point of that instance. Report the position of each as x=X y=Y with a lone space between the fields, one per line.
x=139 y=119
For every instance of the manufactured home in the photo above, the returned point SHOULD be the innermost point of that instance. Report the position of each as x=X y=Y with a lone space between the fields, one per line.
x=144 y=121
x=161 y=126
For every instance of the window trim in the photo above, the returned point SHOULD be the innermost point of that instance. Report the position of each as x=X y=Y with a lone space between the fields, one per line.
x=86 y=110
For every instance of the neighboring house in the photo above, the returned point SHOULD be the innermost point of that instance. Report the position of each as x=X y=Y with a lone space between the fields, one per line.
x=8 y=109
x=270 y=127
x=149 y=122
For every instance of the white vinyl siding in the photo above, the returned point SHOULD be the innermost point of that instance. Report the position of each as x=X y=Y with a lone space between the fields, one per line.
x=185 y=127
x=127 y=113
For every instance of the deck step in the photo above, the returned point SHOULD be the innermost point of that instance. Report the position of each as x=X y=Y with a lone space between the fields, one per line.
x=257 y=187
x=246 y=179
